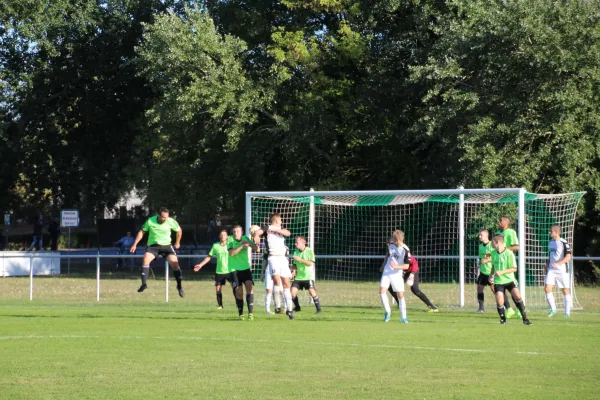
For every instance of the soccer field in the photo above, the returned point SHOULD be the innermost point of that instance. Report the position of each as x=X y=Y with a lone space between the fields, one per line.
x=135 y=346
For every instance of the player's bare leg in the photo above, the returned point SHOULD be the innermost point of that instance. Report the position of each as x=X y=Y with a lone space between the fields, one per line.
x=315 y=297
x=218 y=289
x=501 y=309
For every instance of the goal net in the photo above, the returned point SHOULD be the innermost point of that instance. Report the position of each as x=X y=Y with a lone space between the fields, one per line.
x=348 y=232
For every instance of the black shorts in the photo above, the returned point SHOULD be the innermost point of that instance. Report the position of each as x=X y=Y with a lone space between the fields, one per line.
x=301 y=285
x=221 y=279
x=244 y=276
x=483 y=280
x=163 y=251
x=507 y=286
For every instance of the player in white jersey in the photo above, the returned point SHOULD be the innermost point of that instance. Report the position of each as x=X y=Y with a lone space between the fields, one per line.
x=272 y=291
x=558 y=270
x=396 y=261
x=277 y=260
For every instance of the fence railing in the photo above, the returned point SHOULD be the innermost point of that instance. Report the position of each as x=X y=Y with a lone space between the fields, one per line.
x=34 y=255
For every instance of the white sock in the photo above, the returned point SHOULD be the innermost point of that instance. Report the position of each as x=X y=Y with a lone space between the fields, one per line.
x=277 y=295
x=386 y=302
x=402 y=307
x=287 y=295
x=550 y=300
x=568 y=303
x=268 y=302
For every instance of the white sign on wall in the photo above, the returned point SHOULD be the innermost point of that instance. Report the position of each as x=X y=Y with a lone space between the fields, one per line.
x=69 y=218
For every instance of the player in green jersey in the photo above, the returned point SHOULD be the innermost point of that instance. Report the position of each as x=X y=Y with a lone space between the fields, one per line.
x=159 y=228
x=222 y=273
x=303 y=272
x=511 y=241
x=485 y=266
x=239 y=265
x=504 y=266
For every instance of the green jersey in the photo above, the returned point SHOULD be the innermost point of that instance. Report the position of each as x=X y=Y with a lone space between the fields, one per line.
x=160 y=234
x=220 y=252
x=502 y=262
x=510 y=237
x=240 y=261
x=484 y=250
x=304 y=272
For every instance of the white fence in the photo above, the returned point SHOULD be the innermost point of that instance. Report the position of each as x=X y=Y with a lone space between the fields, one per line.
x=25 y=262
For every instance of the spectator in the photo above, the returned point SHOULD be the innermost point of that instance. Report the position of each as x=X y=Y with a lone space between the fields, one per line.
x=211 y=229
x=125 y=244
x=54 y=231
x=37 y=234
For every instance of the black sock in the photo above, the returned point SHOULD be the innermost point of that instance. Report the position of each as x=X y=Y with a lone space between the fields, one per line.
x=502 y=313
x=220 y=299
x=317 y=303
x=521 y=306
x=177 y=275
x=250 y=303
x=145 y=273
x=240 y=305
x=296 y=302
x=480 y=300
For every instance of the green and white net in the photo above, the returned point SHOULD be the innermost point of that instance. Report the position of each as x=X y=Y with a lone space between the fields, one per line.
x=351 y=231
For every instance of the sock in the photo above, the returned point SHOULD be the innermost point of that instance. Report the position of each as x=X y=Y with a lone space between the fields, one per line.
x=568 y=303
x=317 y=303
x=268 y=302
x=287 y=295
x=177 y=275
x=220 y=299
x=250 y=303
x=240 y=305
x=385 y=302
x=145 y=273
x=402 y=307
x=502 y=313
x=480 y=300
x=550 y=300
x=296 y=302
x=277 y=295
x=521 y=306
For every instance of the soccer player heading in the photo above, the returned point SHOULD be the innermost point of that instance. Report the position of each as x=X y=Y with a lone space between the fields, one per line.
x=278 y=264
x=557 y=271
x=239 y=265
x=159 y=229
x=222 y=272
x=504 y=266
x=303 y=272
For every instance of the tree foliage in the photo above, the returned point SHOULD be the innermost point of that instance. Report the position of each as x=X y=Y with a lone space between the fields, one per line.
x=196 y=102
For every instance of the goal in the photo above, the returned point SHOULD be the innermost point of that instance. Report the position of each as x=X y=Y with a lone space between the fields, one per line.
x=348 y=231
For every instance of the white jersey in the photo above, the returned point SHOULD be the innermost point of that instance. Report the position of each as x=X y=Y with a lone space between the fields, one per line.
x=558 y=249
x=399 y=254
x=276 y=243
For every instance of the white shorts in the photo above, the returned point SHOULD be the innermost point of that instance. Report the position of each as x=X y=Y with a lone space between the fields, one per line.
x=268 y=277
x=392 y=279
x=558 y=278
x=280 y=266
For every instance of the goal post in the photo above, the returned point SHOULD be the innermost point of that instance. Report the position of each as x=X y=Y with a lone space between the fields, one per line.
x=348 y=231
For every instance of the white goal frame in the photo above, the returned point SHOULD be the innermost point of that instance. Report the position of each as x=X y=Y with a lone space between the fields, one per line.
x=520 y=192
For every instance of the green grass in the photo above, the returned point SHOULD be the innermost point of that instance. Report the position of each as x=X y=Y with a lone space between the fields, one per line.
x=64 y=345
